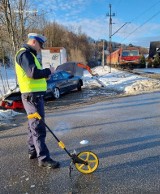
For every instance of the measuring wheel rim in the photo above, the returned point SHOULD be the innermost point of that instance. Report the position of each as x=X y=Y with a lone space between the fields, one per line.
x=92 y=160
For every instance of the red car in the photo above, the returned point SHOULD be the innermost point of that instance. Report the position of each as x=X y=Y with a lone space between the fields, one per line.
x=12 y=101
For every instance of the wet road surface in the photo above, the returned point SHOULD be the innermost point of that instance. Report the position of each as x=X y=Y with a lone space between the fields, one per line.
x=124 y=133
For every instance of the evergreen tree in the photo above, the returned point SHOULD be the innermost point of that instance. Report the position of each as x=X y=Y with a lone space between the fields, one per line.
x=156 y=61
x=142 y=61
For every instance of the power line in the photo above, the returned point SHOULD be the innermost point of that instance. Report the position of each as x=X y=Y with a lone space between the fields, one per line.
x=145 y=11
x=145 y=21
x=141 y=25
x=137 y=17
x=120 y=28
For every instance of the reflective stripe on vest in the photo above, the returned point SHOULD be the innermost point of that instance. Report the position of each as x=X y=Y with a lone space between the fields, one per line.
x=27 y=84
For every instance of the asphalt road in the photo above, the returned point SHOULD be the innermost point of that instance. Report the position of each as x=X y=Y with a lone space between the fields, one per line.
x=124 y=133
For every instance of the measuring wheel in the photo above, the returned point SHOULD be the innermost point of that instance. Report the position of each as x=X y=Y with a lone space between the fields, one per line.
x=92 y=160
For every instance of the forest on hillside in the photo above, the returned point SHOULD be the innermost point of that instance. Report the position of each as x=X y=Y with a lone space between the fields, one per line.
x=16 y=23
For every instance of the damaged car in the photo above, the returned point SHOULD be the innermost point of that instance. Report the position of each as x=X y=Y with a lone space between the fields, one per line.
x=62 y=82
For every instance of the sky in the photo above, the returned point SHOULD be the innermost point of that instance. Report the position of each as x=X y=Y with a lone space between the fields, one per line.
x=141 y=18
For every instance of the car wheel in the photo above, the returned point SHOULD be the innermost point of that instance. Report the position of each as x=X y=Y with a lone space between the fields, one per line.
x=56 y=93
x=79 y=86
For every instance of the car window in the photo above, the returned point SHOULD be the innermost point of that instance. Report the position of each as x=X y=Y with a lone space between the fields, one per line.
x=65 y=74
x=125 y=53
x=56 y=76
x=134 y=53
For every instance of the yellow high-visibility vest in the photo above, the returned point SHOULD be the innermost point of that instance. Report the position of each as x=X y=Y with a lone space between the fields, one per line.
x=27 y=84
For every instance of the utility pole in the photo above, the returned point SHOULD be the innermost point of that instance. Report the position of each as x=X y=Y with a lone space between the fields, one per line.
x=103 y=56
x=110 y=14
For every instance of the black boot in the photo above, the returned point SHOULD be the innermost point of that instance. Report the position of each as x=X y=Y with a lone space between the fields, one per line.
x=32 y=155
x=49 y=163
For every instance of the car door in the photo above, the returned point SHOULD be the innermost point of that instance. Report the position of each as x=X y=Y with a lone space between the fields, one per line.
x=62 y=82
x=57 y=80
x=70 y=82
x=52 y=83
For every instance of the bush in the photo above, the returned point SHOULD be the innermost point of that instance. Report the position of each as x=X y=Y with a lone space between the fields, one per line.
x=150 y=62
x=142 y=62
x=156 y=61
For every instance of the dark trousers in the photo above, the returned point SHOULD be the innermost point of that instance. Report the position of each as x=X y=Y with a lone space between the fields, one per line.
x=36 y=129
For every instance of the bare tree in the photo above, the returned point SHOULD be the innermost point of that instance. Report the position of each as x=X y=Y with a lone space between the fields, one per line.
x=16 y=20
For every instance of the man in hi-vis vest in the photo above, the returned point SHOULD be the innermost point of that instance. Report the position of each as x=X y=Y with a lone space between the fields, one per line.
x=32 y=83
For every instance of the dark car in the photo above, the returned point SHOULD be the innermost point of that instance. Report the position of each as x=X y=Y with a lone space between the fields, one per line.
x=62 y=82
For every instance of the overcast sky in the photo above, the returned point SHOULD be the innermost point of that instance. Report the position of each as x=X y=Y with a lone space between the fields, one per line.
x=91 y=16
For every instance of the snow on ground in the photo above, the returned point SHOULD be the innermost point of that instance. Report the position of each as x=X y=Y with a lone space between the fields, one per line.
x=116 y=81
x=150 y=70
x=7 y=115
x=121 y=81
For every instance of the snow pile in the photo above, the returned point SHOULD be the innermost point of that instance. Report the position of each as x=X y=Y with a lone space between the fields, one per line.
x=143 y=85
x=7 y=114
x=120 y=81
x=117 y=81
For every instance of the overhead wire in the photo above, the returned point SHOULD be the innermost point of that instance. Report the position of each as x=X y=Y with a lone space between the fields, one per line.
x=142 y=25
x=145 y=21
x=145 y=11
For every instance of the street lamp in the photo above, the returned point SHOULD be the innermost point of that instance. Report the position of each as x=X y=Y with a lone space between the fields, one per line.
x=103 y=55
